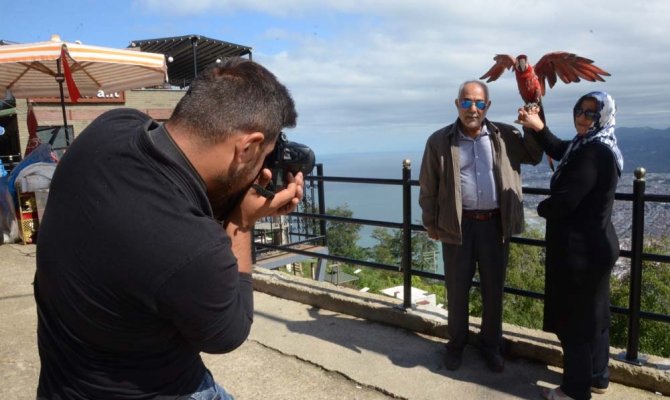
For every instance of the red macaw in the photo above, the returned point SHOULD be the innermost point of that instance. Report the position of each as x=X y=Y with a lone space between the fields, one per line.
x=569 y=67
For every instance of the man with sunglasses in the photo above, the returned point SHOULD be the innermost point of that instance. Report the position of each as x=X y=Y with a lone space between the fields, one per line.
x=470 y=195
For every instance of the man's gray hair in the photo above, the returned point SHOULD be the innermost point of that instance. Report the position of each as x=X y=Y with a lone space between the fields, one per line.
x=480 y=83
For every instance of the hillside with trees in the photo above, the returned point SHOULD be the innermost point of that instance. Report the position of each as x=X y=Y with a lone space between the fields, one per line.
x=645 y=147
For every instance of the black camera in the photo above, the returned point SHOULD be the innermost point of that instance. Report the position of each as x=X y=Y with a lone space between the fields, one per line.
x=287 y=157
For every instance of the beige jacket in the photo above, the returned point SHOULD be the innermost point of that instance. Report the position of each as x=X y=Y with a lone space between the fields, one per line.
x=440 y=185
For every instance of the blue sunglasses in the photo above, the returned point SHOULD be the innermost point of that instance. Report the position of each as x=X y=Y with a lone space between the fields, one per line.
x=592 y=115
x=480 y=104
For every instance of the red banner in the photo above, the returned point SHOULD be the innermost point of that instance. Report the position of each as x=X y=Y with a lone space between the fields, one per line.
x=33 y=139
x=72 y=88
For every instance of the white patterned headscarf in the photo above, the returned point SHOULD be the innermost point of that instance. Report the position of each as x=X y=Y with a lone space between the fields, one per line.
x=601 y=130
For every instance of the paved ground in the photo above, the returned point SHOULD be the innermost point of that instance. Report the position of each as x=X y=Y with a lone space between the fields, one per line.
x=297 y=352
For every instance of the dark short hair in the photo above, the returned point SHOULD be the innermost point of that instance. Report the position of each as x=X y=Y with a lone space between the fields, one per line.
x=237 y=95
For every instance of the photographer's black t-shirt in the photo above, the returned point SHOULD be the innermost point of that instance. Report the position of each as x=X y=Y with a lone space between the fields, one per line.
x=134 y=276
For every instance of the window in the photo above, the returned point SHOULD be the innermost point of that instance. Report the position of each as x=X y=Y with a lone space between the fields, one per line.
x=46 y=134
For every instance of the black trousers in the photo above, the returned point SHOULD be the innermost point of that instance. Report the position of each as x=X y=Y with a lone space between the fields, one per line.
x=482 y=246
x=585 y=364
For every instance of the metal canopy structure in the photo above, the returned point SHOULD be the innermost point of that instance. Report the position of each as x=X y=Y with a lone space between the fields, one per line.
x=189 y=55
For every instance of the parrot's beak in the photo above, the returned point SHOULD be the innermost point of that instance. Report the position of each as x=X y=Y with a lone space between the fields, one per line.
x=521 y=64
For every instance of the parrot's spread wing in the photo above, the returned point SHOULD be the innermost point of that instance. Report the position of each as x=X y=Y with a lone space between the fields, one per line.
x=569 y=67
x=503 y=62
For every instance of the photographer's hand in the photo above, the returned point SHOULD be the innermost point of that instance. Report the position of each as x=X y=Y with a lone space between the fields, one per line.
x=283 y=201
x=253 y=207
x=292 y=194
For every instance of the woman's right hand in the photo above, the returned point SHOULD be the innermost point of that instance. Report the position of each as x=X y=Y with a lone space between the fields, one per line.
x=529 y=117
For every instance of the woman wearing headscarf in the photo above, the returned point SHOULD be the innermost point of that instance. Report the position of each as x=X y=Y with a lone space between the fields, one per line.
x=582 y=245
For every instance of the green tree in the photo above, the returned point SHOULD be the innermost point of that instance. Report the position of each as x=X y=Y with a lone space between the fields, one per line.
x=655 y=297
x=424 y=252
x=525 y=270
x=376 y=280
x=343 y=237
x=388 y=249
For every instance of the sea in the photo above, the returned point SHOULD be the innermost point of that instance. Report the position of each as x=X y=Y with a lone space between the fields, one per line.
x=383 y=202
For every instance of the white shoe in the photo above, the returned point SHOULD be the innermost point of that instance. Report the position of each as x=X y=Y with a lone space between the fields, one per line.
x=555 y=394
x=598 y=390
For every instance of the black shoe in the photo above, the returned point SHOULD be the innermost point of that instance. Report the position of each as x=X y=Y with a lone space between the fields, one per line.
x=495 y=361
x=453 y=358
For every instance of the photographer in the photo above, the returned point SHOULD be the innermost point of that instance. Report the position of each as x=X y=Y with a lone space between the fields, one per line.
x=144 y=256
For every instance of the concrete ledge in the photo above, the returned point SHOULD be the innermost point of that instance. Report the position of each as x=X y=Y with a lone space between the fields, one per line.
x=521 y=342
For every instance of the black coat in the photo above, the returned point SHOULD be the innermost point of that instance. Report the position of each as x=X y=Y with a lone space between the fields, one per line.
x=582 y=245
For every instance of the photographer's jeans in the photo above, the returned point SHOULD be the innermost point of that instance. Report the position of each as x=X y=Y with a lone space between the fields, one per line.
x=210 y=390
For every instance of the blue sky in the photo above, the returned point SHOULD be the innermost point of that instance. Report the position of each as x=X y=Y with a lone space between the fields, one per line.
x=371 y=76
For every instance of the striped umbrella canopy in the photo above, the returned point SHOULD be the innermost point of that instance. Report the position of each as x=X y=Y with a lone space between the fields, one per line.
x=33 y=70
x=39 y=70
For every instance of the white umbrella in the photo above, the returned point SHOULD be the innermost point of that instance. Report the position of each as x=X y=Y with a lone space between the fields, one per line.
x=37 y=70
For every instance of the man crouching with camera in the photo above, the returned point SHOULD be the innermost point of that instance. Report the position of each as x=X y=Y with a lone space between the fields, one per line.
x=144 y=252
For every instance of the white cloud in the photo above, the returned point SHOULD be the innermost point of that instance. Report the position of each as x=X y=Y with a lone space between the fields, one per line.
x=391 y=69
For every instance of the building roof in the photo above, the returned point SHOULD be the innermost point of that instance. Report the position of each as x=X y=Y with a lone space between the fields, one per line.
x=188 y=53
x=399 y=292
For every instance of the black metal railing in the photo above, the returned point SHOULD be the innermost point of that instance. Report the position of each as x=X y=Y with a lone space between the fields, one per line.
x=635 y=254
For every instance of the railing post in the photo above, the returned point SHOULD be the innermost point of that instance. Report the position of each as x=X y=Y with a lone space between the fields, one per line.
x=637 y=243
x=322 y=199
x=406 y=261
